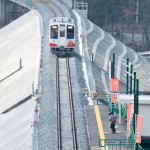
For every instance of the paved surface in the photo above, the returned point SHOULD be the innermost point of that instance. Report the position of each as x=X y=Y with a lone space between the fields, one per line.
x=92 y=125
x=121 y=132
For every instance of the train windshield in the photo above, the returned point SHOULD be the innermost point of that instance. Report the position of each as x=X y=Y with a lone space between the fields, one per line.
x=70 y=32
x=54 y=31
x=62 y=33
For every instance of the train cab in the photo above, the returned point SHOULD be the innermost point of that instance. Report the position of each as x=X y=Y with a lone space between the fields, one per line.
x=62 y=35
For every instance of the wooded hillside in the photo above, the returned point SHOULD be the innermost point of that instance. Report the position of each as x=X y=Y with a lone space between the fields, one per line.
x=123 y=16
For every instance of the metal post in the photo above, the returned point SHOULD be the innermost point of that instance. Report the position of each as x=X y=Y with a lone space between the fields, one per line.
x=113 y=65
x=137 y=103
x=127 y=85
x=134 y=114
x=134 y=102
x=33 y=89
x=109 y=70
x=20 y=61
x=112 y=70
x=119 y=113
x=137 y=98
x=131 y=70
x=134 y=82
x=92 y=57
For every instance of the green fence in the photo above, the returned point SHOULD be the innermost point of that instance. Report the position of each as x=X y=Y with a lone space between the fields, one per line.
x=29 y=3
x=105 y=97
x=117 y=144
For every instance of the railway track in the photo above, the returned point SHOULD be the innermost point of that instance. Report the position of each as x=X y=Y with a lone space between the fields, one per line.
x=65 y=137
x=57 y=11
x=66 y=130
x=60 y=10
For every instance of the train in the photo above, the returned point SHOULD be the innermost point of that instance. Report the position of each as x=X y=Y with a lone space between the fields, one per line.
x=62 y=35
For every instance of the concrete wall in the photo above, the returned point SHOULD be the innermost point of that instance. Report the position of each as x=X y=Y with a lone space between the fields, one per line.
x=144 y=109
x=83 y=13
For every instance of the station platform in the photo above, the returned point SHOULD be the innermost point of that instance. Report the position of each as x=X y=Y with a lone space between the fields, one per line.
x=98 y=125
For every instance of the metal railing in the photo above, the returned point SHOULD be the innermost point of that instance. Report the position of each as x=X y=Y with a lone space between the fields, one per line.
x=120 y=144
x=105 y=97
x=81 y=6
x=117 y=144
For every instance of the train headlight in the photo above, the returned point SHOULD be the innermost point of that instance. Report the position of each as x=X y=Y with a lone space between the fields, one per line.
x=70 y=27
x=54 y=27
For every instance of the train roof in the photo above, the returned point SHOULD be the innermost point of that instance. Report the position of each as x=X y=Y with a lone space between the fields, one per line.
x=58 y=20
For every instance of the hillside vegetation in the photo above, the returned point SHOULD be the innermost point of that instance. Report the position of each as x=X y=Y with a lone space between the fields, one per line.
x=123 y=16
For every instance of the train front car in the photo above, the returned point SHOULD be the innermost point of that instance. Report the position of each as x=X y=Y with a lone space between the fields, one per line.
x=62 y=35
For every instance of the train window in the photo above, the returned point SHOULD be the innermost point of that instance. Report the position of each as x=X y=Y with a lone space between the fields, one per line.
x=62 y=33
x=70 y=32
x=62 y=25
x=54 y=31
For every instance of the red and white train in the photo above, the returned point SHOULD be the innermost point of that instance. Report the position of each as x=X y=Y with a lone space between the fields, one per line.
x=62 y=35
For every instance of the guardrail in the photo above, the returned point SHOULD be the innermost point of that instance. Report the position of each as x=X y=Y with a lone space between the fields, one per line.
x=29 y=3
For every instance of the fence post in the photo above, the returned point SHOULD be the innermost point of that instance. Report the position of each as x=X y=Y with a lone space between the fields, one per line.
x=127 y=85
x=113 y=65
x=120 y=144
x=131 y=70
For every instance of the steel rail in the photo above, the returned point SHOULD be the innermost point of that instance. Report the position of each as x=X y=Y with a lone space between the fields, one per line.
x=61 y=11
x=58 y=105
x=50 y=7
x=71 y=105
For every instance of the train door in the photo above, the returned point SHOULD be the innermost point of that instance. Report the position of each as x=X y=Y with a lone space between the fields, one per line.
x=62 y=36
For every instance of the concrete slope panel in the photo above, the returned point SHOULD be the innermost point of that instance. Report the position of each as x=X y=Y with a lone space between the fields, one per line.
x=15 y=127
x=20 y=40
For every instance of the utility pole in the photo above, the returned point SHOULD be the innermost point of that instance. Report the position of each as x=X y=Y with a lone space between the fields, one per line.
x=72 y=4
x=133 y=23
x=112 y=19
x=137 y=11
